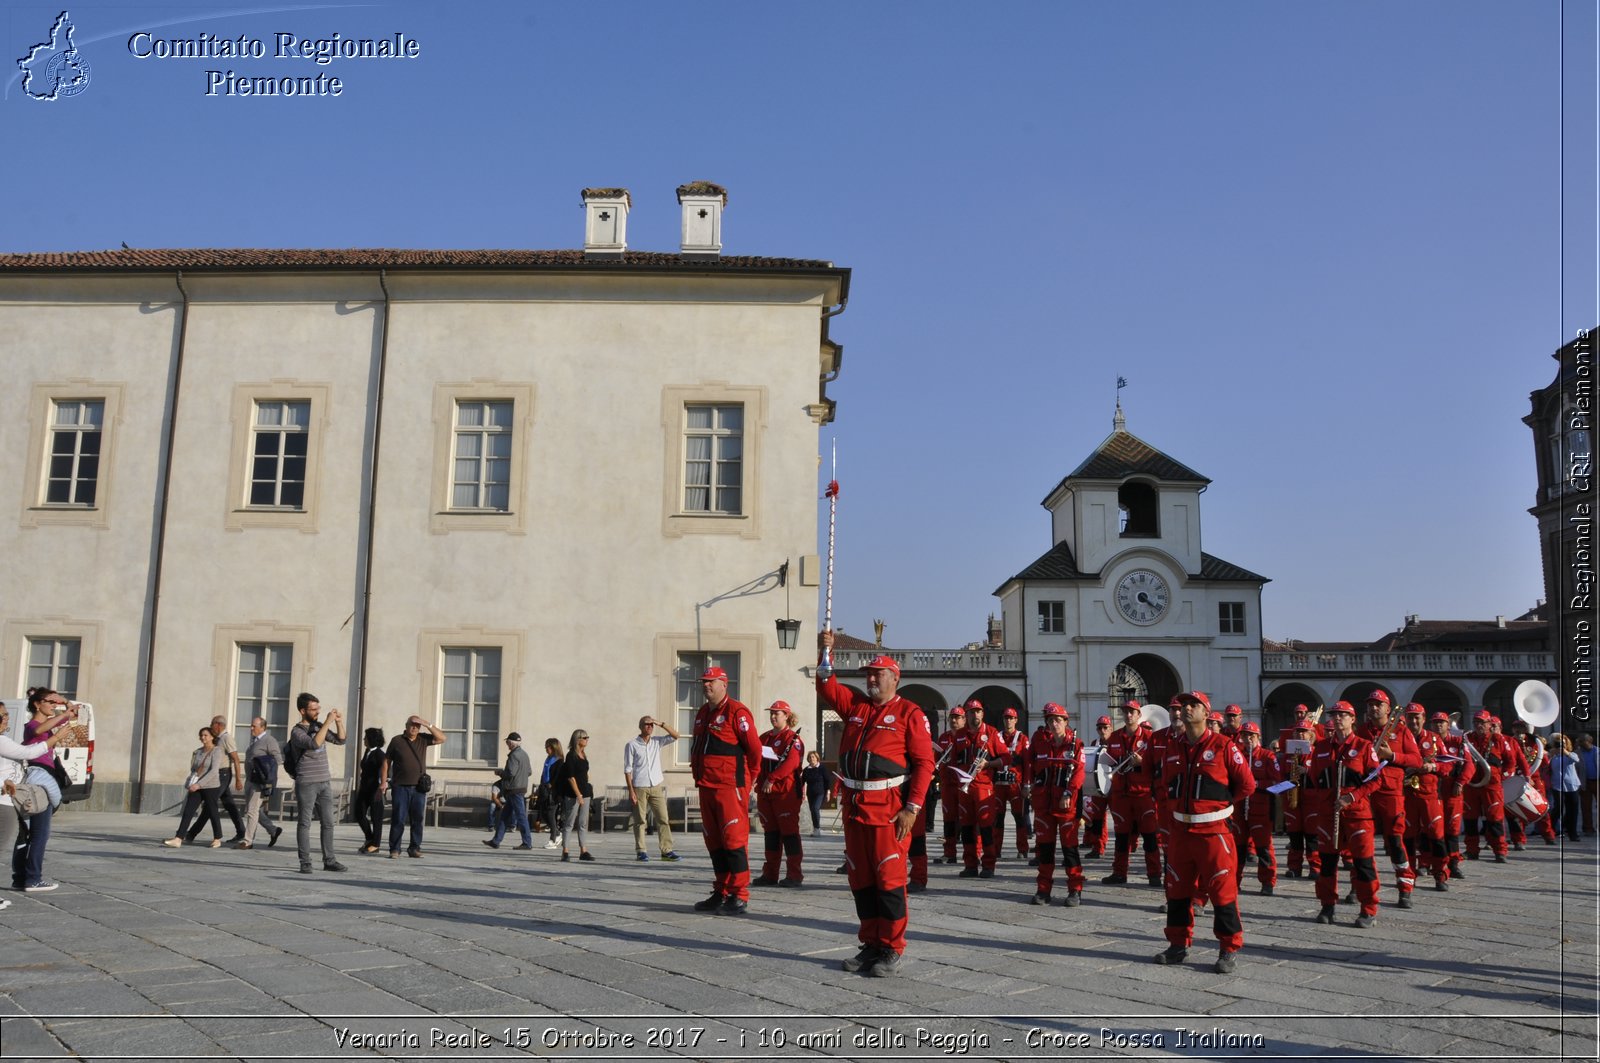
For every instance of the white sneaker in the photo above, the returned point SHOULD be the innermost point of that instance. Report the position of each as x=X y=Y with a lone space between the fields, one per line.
x=42 y=887
x=552 y=845
x=4 y=904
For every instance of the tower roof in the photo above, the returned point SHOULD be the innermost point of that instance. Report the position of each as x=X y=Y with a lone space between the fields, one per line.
x=1123 y=454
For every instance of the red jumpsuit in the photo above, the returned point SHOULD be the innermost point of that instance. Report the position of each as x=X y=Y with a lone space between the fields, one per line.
x=885 y=751
x=949 y=794
x=1358 y=775
x=1153 y=758
x=1132 y=807
x=1294 y=806
x=978 y=805
x=1388 y=802
x=778 y=803
x=1487 y=802
x=1453 y=780
x=1056 y=774
x=1531 y=751
x=1254 y=816
x=725 y=755
x=1014 y=794
x=1425 y=812
x=1205 y=779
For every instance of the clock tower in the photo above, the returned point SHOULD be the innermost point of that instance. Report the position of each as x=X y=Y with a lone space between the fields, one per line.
x=1125 y=603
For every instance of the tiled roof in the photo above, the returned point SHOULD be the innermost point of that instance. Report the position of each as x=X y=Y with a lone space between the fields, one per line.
x=245 y=258
x=1057 y=563
x=1214 y=568
x=1442 y=634
x=1124 y=454
x=842 y=641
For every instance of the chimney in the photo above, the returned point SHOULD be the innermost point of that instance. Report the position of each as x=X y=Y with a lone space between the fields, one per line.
x=1411 y=620
x=702 y=204
x=605 y=222
x=1499 y=621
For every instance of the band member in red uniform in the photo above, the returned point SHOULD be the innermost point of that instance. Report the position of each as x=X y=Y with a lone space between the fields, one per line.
x=725 y=756
x=1011 y=786
x=1424 y=812
x=949 y=782
x=1132 y=807
x=979 y=754
x=1533 y=755
x=1455 y=770
x=1206 y=776
x=1254 y=819
x=778 y=797
x=1305 y=716
x=1294 y=767
x=1160 y=738
x=1398 y=749
x=1233 y=723
x=1092 y=810
x=1345 y=771
x=1487 y=802
x=1056 y=775
x=885 y=765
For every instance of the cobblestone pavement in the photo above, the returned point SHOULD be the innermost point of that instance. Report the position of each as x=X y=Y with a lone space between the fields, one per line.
x=154 y=953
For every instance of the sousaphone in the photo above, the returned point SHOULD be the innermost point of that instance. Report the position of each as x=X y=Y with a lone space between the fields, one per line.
x=1536 y=703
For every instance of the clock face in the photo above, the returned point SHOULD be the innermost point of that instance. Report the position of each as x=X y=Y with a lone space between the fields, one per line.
x=1142 y=596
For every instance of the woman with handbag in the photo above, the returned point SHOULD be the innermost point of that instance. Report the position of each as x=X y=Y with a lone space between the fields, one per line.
x=50 y=715
x=575 y=801
x=14 y=758
x=205 y=790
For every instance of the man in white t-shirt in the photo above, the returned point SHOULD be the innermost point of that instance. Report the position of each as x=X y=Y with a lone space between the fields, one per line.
x=641 y=766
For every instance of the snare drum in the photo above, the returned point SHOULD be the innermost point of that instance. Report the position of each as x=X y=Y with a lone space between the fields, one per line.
x=1523 y=802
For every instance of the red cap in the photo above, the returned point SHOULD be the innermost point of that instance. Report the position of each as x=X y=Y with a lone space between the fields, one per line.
x=1176 y=702
x=1416 y=709
x=974 y=703
x=1104 y=721
x=881 y=663
x=1342 y=707
x=1129 y=704
x=1010 y=714
x=779 y=706
x=1439 y=717
x=1213 y=717
x=1482 y=714
x=1251 y=728
x=1194 y=695
x=1301 y=710
x=1378 y=695
x=1233 y=710
x=1052 y=709
x=959 y=710
x=714 y=673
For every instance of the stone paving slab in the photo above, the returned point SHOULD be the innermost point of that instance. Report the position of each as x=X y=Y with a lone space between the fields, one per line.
x=166 y=954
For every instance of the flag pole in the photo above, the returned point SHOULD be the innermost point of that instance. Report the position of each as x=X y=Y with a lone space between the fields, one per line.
x=825 y=667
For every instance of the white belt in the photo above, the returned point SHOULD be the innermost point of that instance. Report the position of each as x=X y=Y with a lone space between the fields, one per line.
x=873 y=784
x=1203 y=817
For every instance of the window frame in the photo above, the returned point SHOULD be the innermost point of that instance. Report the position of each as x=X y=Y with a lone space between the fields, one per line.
x=36 y=511
x=1058 y=620
x=474 y=677
x=285 y=430
x=1229 y=613
x=431 y=646
x=668 y=653
x=676 y=520
x=445 y=516
x=247 y=399
x=240 y=727
x=486 y=431
x=225 y=642
x=52 y=681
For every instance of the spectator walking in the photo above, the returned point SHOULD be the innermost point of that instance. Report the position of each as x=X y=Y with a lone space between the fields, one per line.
x=231 y=773
x=814 y=777
x=204 y=784
x=1565 y=784
x=313 y=779
x=514 y=779
x=551 y=787
x=579 y=791
x=404 y=766
x=369 y=799
x=641 y=767
x=261 y=760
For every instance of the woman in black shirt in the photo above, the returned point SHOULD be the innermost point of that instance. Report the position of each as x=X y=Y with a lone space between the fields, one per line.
x=575 y=801
x=369 y=802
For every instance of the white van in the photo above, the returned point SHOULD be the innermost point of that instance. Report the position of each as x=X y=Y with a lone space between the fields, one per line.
x=76 y=752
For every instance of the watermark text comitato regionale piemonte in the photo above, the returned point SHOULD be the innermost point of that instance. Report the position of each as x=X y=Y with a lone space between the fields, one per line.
x=283 y=46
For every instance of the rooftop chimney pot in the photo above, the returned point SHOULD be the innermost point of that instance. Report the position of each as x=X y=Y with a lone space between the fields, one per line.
x=605 y=227
x=702 y=203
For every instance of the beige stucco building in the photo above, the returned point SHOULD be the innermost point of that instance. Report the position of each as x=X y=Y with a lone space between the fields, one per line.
x=487 y=487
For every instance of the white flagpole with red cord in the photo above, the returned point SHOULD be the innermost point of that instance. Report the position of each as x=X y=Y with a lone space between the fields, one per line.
x=825 y=668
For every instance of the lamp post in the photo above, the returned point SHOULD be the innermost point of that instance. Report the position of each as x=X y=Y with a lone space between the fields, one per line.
x=788 y=628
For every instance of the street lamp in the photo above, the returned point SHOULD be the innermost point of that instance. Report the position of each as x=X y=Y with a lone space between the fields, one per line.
x=789 y=628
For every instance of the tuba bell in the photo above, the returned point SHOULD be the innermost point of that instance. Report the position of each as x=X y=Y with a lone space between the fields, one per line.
x=1536 y=703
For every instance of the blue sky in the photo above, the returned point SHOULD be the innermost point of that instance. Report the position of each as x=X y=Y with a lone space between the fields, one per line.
x=1325 y=243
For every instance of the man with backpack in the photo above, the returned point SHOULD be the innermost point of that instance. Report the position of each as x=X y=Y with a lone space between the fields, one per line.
x=261 y=760
x=307 y=761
